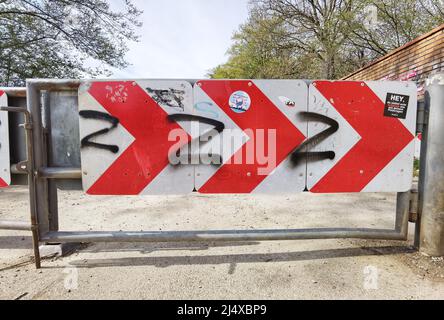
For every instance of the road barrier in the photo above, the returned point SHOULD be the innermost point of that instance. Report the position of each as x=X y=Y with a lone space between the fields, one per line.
x=217 y=136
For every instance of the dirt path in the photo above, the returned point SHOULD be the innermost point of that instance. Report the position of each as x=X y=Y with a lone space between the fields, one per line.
x=339 y=269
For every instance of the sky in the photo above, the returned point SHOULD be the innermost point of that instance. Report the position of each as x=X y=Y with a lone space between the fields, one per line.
x=182 y=38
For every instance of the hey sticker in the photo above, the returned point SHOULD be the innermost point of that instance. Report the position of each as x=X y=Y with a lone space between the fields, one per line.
x=396 y=105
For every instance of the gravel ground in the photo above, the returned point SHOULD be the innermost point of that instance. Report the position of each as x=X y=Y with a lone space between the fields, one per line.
x=310 y=269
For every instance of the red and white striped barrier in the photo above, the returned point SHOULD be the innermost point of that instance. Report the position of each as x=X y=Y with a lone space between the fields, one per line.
x=5 y=169
x=246 y=136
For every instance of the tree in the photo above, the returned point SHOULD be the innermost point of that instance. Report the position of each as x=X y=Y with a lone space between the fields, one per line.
x=259 y=52
x=319 y=28
x=396 y=23
x=62 y=38
x=256 y=53
x=312 y=32
x=327 y=38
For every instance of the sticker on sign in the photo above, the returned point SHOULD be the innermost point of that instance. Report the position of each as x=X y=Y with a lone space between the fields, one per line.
x=396 y=105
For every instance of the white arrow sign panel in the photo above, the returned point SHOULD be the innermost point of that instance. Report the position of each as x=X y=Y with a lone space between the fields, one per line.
x=127 y=136
x=262 y=128
x=374 y=143
x=5 y=166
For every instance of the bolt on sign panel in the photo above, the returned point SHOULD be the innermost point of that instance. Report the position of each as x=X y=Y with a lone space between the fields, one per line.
x=5 y=166
x=129 y=131
x=366 y=139
x=252 y=142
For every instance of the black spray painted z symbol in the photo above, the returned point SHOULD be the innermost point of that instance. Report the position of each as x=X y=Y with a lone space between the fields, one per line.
x=218 y=126
x=301 y=152
x=97 y=115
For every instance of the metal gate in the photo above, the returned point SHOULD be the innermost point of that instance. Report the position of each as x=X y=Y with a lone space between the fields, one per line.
x=217 y=136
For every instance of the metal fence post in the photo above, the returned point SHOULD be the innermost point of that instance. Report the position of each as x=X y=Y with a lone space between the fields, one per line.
x=402 y=213
x=431 y=186
x=38 y=187
x=28 y=167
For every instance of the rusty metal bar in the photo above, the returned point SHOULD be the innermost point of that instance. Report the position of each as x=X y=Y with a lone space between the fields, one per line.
x=54 y=84
x=14 y=92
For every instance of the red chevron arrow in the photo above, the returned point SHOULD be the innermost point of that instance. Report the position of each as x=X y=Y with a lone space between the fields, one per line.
x=147 y=156
x=382 y=138
x=262 y=114
x=2 y=182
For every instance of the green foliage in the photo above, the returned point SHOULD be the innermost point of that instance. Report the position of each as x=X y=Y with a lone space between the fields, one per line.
x=323 y=39
x=258 y=52
x=416 y=167
x=58 y=38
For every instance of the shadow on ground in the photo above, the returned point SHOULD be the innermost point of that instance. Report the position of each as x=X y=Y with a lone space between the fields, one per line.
x=16 y=242
x=166 y=261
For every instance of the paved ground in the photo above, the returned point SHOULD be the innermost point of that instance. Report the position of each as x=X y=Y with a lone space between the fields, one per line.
x=325 y=269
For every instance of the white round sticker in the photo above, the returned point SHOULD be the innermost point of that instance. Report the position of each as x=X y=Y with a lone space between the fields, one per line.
x=240 y=101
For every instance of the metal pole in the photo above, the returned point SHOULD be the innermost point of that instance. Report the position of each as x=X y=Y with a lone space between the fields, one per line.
x=403 y=213
x=431 y=189
x=51 y=187
x=15 y=225
x=224 y=235
x=52 y=172
x=60 y=173
x=37 y=188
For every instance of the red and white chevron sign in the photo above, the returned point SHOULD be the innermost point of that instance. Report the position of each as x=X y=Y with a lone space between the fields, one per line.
x=125 y=137
x=5 y=166
x=262 y=129
x=246 y=136
x=374 y=145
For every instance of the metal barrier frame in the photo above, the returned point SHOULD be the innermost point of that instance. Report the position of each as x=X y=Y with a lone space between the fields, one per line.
x=44 y=204
x=25 y=167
